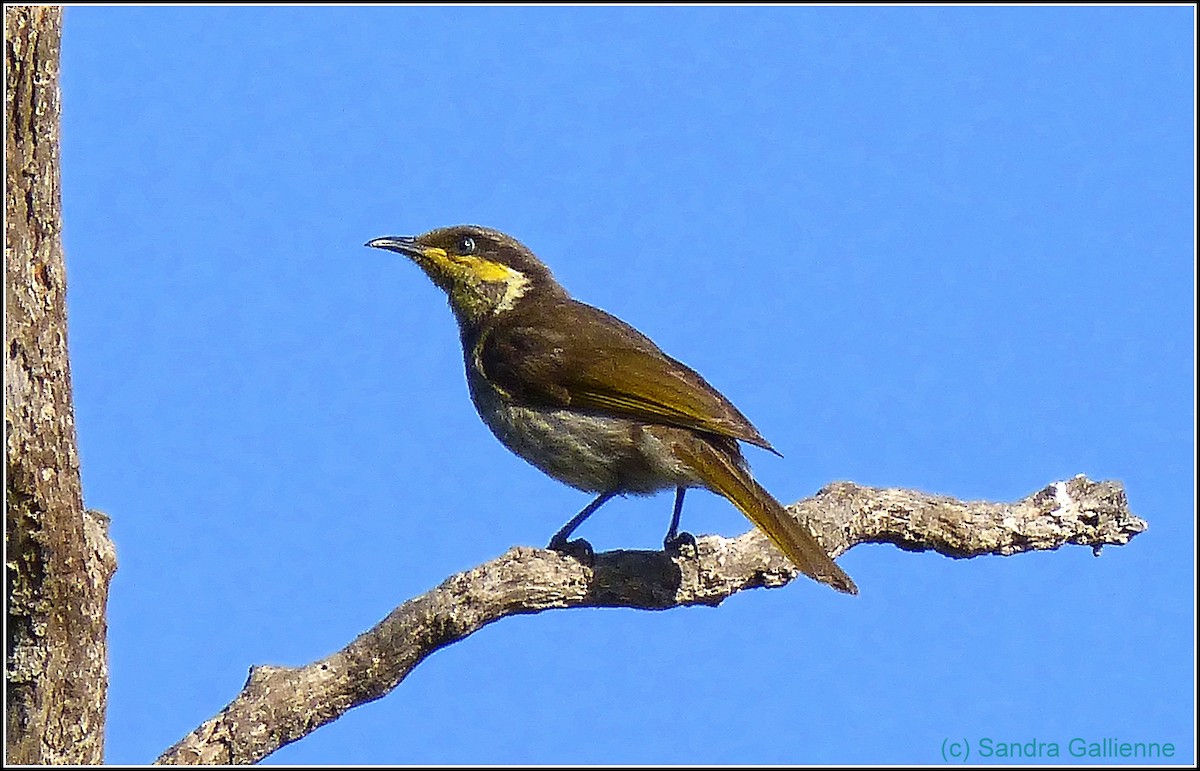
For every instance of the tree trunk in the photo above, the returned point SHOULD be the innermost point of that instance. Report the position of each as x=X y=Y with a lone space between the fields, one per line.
x=60 y=559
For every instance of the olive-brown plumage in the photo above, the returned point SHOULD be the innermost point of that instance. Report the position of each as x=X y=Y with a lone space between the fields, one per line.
x=587 y=398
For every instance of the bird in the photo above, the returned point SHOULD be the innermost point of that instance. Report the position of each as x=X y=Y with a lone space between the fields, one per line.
x=591 y=401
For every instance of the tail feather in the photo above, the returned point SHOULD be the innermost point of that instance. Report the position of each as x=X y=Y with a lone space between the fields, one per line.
x=724 y=475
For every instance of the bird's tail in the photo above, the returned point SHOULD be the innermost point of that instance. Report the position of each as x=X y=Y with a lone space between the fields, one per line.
x=723 y=474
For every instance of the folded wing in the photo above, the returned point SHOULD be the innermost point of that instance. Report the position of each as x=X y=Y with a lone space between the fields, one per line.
x=594 y=361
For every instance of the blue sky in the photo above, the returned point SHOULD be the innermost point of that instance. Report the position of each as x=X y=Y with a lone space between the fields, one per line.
x=949 y=249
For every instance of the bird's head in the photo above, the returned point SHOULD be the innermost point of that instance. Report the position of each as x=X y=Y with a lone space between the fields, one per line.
x=483 y=271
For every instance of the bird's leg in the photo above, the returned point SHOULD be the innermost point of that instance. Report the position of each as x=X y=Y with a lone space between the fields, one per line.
x=560 y=543
x=674 y=538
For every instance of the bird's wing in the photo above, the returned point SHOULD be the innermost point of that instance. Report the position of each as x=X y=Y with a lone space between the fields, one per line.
x=591 y=360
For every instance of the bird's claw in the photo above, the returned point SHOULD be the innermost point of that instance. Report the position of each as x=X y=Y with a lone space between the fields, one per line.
x=683 y=544
x=579 y=549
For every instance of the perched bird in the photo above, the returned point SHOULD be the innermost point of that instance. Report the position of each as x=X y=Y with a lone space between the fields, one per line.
x=588 y=399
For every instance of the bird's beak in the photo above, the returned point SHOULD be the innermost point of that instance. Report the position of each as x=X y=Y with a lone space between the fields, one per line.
x=430 y=259
x=406 y=245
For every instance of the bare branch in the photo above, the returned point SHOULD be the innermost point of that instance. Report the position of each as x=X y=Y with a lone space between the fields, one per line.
x=282 y=704
x=1077 y=511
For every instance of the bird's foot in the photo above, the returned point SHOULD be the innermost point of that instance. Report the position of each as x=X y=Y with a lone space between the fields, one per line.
x=579 y=549
x=682 y=544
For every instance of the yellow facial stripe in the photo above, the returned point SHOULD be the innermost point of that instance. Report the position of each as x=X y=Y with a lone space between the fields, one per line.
x=466 y=265
x=464 y=276
x=486 y=270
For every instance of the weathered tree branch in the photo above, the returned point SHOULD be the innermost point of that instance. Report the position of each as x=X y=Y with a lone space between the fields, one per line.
x=282 y=704
x=59 y=557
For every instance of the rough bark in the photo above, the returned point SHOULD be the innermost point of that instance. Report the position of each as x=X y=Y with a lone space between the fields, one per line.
x=60 y=559
x=279 y=705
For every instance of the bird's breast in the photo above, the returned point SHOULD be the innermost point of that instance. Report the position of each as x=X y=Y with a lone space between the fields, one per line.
x=588 y=451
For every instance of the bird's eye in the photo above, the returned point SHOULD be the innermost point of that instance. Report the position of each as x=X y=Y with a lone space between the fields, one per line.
x=466 y=245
